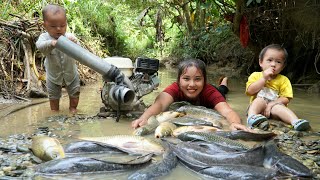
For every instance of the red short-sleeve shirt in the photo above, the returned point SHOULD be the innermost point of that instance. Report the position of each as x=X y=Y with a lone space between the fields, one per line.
x=209 y=97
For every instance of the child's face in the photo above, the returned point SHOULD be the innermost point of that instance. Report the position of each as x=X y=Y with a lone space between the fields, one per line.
x=55 y=24
x=191 y=82
x=273 y=59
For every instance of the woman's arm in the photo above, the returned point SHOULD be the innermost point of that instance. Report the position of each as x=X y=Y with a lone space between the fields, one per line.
x=161 y=103
x=234 y=119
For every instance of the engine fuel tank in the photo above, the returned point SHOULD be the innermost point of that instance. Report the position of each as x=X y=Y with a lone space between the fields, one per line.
x=124 y=64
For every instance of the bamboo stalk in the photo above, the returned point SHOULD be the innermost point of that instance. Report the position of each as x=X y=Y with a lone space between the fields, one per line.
x=21 y=98
x=34 y=67
x=27 y=66
x=9 y=25
x=4 y=69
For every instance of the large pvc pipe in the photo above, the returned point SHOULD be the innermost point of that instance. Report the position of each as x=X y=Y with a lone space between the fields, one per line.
x=108 y=71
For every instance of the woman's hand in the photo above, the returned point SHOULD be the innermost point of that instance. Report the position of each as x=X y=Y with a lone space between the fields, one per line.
x=237 y=126
x=234 y=119
x=138 y=123
x=161 y=103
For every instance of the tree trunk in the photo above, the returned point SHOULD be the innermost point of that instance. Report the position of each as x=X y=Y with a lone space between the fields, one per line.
x=186 y=11
x=200 y=16
x=238 y=16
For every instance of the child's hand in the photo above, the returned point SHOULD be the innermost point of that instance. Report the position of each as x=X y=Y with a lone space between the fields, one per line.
x=268 y=73
x=73 y=39
x=53 y=43
x=267 y=111
x=270 y=105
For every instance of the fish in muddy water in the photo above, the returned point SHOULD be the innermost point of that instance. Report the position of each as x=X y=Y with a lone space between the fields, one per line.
x=89 y=147
x=46 y=148
x=202 y=155
x=200 y=111
x=224 y=165
x=190 y=121
x=161 y=168
x=229 y=171
x=129 y=144
x=148 y=128
x=284 y=163
x=164 y=129
x=247 y=136
x=184 y=129
x=88 y=165
x=232 y=171
x=203 y=113
x=176 y=105
x=205 y=147
x=167 y=115
x=212 y=137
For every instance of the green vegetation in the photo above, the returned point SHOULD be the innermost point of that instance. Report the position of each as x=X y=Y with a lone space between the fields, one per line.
x=135 y=28
x=171 y=30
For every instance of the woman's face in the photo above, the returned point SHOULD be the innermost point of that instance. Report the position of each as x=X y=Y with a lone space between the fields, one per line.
x=191 y=82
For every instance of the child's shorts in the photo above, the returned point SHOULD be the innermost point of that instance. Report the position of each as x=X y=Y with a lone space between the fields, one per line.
x=73 y=89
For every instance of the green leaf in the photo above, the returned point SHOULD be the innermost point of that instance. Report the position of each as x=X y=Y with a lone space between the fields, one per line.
x=258 y=1
x=249 y=2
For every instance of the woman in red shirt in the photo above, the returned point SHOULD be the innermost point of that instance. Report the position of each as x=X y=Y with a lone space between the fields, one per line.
x=191 y=86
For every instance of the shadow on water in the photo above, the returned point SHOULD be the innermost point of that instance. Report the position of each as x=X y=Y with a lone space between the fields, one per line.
x=28 y=120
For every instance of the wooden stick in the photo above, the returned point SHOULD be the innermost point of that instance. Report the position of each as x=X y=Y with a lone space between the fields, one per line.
x=21 y=98
x=302 y=84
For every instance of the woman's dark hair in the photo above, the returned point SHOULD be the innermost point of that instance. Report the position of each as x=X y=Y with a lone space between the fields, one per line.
x=276 y=47
x=183 y=65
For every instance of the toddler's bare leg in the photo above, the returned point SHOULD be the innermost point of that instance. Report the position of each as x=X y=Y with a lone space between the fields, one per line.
x=73 y=104
x=283 y=113
x=257 y=106
x=54 y=104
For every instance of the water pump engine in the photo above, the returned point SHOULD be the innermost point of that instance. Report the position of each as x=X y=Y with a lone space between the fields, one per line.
x=143 y=76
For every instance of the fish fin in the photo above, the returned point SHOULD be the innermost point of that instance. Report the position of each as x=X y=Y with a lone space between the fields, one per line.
x=147 y=156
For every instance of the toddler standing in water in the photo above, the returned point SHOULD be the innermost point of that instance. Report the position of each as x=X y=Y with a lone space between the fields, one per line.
x=270 y=91
x=191 y=86
x=60 y=68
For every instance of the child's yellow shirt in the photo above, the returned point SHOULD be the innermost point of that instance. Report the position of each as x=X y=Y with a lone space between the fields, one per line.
x=280 y=84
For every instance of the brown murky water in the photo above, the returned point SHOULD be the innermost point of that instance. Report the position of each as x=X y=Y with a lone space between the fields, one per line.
x=27 y=120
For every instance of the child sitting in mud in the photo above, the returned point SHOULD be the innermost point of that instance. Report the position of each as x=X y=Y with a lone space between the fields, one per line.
x=270 y=91
x=60 y=68
x=191 y=86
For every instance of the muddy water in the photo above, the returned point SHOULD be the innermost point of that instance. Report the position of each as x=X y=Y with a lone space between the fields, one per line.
x=29 y=119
